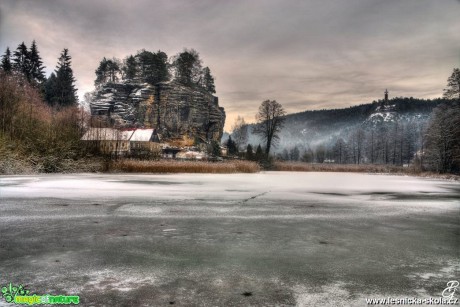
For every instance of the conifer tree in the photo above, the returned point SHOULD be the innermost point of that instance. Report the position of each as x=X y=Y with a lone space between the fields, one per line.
x=50 y=90
x=249 y=152
x=65 y=91
x=36 y=67
x=130 y=68
x=259 y=156
x=21 y=60
x=6 y=61
x=208 y=81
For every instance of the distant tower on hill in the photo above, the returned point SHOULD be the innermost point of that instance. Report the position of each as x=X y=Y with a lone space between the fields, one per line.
x=386 y=96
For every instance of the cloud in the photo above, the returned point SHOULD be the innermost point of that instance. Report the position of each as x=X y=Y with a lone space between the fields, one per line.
x=305 y=54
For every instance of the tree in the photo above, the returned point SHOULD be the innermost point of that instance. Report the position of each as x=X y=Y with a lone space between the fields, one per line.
x=101 y=73
x=443 y=139
x=208 y=81
x=231 y=147
x=320 y=153
x=107 y=71
x=240 y=131
x=453 y=86
x=249 y=152
x=36 y=67
x=153 y=67
x=187 y=66
x=339 y=151
x=6 y=61
x=50 y=90
x=294 y=154
x=21 y=60
x=259 y=156
x=307 y=156
x=214 y=148
x=270 y=120
x=65 y=91
x=130 y=68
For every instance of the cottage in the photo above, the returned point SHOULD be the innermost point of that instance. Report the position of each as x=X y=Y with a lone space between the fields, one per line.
x=109 y=140
x=145 y=143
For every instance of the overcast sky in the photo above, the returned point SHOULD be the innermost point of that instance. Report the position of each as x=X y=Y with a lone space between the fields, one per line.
x=306 y=54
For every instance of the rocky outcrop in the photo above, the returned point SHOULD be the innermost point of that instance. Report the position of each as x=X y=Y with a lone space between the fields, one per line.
x=173 y=109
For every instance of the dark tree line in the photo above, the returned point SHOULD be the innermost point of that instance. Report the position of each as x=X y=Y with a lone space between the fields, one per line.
x=57 y=90
x=185 y=67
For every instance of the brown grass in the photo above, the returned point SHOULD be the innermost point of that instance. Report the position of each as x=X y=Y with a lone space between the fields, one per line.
x=165 y=166
x=361 y=168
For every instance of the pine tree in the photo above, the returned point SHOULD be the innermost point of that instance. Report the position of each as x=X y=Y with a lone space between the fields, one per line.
x=65 y=91
x=21 y=60
x=6 y=61
x=101 y=73
x=36 y=67
x=129 y=68
x=153 y=66
x=187 y=65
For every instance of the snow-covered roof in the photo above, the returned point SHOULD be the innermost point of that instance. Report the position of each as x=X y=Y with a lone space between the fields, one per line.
x=142 y=135
x=107 y=134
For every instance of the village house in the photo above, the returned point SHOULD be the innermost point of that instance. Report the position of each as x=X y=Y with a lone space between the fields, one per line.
x=109 y=140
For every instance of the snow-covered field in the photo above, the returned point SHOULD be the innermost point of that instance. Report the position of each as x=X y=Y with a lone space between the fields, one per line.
x=274 y=238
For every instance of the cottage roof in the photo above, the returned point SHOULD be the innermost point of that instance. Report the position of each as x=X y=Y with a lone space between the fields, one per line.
x=142 y=135
x=107 y=134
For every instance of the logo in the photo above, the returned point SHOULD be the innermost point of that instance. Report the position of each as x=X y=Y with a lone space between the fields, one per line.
x=451 y=289
x=20 y=295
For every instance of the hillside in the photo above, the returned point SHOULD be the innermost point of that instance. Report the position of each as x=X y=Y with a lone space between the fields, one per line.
x=380 y=125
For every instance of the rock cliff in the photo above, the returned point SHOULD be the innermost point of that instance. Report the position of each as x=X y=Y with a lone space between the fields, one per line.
x=173 y=109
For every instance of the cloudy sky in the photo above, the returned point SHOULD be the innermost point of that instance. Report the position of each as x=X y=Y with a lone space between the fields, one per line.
x=306 y=54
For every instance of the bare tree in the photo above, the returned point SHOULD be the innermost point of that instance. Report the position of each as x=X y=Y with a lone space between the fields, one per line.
x=270 y=120
x=443 y=139
x=240 y=132
x=453 y=86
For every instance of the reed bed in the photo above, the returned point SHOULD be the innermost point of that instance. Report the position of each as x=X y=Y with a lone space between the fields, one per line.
x=361 y=168
x=354 y=168
x=173 y=166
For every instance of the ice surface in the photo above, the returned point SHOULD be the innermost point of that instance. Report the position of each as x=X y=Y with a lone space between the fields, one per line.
x=272 y=238
x=286 y=185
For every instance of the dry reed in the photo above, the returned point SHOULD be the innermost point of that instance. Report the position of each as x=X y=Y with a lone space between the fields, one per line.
x=165 y=166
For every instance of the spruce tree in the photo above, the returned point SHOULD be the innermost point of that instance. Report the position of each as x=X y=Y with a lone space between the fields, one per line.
x=65 y=91
x=36 y=67
x=21 y=61
x=6 y=61
x=208 y=81
x=50 y=90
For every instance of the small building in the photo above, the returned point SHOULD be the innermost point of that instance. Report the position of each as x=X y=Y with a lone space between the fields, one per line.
x=109 y=140
x=191 y=155
x=145 y=144
x=145 y=139
x=170 y=152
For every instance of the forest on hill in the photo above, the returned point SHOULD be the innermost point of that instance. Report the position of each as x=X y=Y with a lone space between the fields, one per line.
x=399 y=131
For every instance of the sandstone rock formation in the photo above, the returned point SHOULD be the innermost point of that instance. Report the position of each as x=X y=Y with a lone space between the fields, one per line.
x=173 y=109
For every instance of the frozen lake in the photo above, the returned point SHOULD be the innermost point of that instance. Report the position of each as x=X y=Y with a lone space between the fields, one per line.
x=274 y=238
